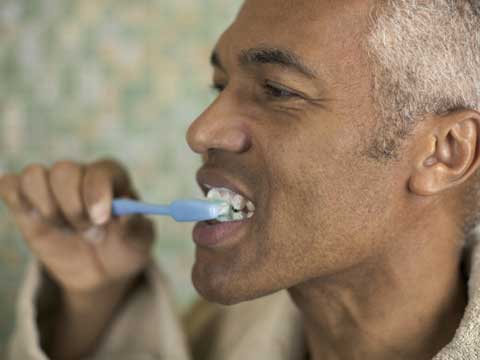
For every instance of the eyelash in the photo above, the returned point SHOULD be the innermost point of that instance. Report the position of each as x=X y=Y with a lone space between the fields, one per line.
x=217 y=88
x=272 y=91
x=278 y=92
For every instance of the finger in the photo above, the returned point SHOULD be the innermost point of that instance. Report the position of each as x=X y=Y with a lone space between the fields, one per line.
x=35 y=187
x=103 y=181
x=27 y=218
x=66 y=183
x=11 y=194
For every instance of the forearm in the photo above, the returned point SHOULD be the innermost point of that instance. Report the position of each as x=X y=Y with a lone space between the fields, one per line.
x=83 y=320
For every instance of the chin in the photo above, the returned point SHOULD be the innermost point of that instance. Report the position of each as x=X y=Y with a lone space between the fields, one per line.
x=222 y=287
x=226 y=286
x=215 y=286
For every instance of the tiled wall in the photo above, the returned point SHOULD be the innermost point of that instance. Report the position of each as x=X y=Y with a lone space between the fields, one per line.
x=83 y=79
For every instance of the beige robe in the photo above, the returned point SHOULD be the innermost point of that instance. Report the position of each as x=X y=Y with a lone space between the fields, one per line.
x=147 y=327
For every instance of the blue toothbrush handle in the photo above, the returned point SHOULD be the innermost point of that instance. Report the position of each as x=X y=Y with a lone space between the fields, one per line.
x=196 y=210
x=121 y=207
x=180 y=210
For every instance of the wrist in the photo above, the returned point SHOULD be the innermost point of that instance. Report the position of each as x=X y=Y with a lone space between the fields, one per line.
x=97 y=308
x=107 y=296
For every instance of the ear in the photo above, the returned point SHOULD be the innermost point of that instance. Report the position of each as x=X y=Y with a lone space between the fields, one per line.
x=447 y=152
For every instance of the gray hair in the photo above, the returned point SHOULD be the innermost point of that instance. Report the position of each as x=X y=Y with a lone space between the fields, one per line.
x=425 y=57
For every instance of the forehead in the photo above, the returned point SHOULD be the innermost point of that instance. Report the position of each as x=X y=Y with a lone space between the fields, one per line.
x=305 y=10
x=322 y=32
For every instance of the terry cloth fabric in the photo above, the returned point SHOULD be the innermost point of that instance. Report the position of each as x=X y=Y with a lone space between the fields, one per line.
x=269 y=328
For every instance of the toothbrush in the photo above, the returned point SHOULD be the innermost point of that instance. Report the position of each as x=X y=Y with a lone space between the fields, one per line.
x=180 y=210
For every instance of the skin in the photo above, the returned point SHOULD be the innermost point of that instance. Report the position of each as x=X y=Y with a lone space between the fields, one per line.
x=357 y=242
x=63 y=213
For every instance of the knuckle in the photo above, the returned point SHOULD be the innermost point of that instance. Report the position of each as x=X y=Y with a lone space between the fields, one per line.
x=63 y=169
x=32 y=172
x=93 y=173
x=33 y=169
x=97 y=184
x=104 y=179
x=109 y=167
x=107 y=162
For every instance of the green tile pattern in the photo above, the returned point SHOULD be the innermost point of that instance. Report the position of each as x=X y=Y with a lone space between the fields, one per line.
x=87 y=79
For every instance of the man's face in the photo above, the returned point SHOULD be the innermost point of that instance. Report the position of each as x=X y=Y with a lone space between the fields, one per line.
x=290 y=126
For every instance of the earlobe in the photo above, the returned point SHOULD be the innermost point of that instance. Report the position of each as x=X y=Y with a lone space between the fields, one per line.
x=448 y=154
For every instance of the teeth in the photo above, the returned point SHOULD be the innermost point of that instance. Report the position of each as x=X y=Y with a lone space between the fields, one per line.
x=238 y=202
x=213 y=194
x=225 y=213
x=244 y=209
x=238 y=216
x=225 y=195
x=234 y=216
x=225 y=218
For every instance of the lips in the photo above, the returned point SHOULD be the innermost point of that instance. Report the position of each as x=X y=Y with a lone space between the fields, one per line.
x=218 y=179
x=215 y=235
x=219 y=235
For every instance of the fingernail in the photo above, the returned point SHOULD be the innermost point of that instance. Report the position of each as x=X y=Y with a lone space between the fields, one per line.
x=94 y=235
x=100 y=213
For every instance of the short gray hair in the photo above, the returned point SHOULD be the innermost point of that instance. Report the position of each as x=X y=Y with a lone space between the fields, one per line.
x=425 y=58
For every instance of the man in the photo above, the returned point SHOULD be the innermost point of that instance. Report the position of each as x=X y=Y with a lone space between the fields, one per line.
x=352 y=127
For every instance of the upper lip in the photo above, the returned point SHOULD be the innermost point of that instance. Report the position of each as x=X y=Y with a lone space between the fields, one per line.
x=219 y=179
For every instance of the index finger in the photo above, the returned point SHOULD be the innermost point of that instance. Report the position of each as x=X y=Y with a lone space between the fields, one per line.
x=103 y=181
x=11 y=194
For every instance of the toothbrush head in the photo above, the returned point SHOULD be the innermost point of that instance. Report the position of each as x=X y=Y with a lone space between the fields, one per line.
x=200 y=210
x=225 y=212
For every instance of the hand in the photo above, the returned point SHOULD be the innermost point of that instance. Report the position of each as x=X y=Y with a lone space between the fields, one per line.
x=64 y=214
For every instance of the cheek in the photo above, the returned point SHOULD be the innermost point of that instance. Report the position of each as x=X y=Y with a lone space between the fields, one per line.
x=318 y=201
x=322 y=209
x=300 y=177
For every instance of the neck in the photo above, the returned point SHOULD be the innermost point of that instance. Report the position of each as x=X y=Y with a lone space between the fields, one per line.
x=404 y=304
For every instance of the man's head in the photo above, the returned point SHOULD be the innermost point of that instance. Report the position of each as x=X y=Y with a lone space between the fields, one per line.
x=314 y=102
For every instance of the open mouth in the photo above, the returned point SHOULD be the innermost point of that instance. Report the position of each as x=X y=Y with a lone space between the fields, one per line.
x=232 y=225
x=240 y=208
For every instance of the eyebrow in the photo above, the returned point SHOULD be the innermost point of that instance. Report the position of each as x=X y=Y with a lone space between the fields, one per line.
x=268 y=55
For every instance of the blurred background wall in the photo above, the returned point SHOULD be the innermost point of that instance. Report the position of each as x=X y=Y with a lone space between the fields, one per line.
x=83 y=79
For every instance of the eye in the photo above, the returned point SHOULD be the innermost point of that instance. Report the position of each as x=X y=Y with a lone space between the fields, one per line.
x=278 y=92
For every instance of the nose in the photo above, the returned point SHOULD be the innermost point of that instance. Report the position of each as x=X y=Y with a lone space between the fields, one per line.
x=220 y=127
